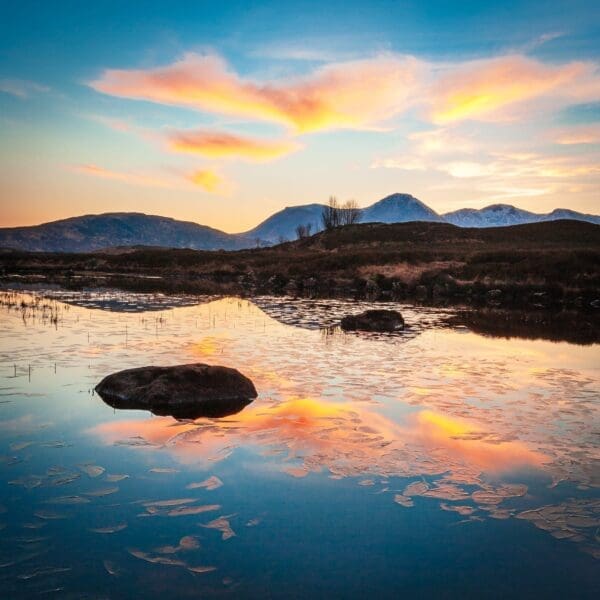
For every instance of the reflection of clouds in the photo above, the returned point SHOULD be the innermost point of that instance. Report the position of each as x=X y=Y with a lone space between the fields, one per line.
x=307 y=435
x=344 y=440
x=24 y=424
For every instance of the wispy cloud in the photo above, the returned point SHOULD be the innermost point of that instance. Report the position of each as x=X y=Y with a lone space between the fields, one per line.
x=403 y=162
x=523 y=165
x=21 y=88
x=437 y=141
x=580 y=134
x=215 y=144
x=131 y=178
x=349 y=95
x=499 y=166
x=206 y=179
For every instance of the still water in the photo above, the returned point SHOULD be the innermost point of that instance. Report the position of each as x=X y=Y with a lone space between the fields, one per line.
x=435 y=462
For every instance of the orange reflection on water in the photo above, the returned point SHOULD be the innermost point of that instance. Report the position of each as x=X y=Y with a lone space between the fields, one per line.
x=302 y=426
x=344 y=439
x=467 y=441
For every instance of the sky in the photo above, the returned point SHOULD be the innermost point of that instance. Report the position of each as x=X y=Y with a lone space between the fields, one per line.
x=222 y=113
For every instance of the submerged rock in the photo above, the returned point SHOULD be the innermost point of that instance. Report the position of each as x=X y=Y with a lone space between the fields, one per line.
x=373 y=320
x=183 y=391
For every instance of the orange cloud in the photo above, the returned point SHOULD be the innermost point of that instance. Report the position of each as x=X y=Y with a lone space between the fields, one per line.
x=227 y=145
x=482 y=89
x=352 y=94
x=208 y=180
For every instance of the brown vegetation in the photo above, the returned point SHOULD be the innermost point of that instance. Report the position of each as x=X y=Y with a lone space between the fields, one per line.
x=538 y=265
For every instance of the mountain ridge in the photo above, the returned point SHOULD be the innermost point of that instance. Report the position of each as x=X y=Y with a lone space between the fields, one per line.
x=94 y=232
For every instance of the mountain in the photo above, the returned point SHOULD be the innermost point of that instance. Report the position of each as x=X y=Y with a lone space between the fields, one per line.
x=501 y=215
x=94 y=232
x=398 y=208
x=496 y=215
x=282 y=225
x=565 y=213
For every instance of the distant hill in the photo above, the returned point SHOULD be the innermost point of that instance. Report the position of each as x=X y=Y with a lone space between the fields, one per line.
x=90 y=233
x=94 y=232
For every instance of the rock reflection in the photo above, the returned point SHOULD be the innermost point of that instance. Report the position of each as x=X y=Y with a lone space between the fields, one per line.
x=212 y=410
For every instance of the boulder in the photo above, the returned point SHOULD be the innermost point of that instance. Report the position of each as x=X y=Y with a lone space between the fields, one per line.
x=183 y=391
x=374 y=320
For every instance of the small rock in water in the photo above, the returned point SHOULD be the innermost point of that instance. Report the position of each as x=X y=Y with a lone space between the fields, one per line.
x=374 y=320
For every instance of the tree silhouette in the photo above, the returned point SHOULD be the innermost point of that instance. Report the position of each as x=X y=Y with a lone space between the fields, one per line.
x=334 y=215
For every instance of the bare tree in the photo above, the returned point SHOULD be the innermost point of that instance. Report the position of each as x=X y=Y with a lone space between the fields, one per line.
x=303 y=231
x=350 y=213
x=331 y=214
x=334 y=214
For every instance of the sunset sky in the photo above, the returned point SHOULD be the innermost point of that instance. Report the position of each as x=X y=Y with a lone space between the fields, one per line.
x=224 y=112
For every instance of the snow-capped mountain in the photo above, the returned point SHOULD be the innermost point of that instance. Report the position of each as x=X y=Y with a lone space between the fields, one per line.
x=501 y=215
x=496 y=215
x=398 y=208
x=565 y=213
x=282 y=225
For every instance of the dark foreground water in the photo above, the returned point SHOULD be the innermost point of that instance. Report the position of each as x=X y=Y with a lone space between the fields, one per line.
x=436 y=463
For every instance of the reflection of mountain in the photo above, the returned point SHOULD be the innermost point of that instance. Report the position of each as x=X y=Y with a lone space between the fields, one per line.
x=310 y=314
x=565 y=326
x=326 y=315
x=126 y=302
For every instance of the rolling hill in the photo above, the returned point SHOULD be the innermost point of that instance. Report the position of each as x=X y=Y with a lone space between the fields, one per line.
x=94 y=232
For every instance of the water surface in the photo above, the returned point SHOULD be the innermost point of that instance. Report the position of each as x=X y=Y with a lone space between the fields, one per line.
x=436 y=461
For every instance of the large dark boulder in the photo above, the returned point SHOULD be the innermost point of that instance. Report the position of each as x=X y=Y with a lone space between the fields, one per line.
x=374 y=320
x=183 y=391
